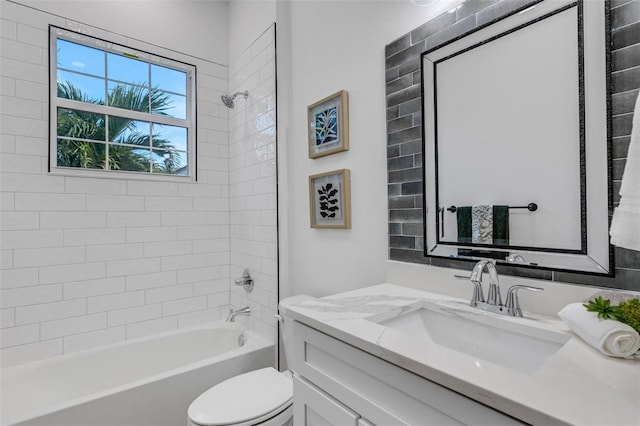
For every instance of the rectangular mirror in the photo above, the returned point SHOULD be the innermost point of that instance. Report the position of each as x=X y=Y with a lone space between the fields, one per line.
x=517 y=140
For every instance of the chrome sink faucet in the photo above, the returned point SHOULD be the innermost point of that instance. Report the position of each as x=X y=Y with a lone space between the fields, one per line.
x=494 y=298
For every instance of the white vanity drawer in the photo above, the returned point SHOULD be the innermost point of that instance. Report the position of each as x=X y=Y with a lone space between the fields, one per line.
x=312 y=407
x=381 y=392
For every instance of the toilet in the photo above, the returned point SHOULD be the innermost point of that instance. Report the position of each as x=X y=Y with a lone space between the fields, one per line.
x=262 y=397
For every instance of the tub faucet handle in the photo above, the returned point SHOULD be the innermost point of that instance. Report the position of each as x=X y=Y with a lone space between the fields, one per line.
x=245 y=281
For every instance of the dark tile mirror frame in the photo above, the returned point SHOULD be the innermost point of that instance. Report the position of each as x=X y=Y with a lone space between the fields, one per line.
x=404 y=129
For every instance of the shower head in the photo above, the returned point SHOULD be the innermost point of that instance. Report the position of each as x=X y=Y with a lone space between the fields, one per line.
x=228 y=100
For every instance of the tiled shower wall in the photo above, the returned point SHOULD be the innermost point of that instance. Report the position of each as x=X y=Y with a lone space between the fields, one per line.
x=252 y=163
x=404 y=121
x=85 y=261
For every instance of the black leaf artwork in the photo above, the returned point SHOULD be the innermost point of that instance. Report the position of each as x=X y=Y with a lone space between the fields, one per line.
x=328 y=201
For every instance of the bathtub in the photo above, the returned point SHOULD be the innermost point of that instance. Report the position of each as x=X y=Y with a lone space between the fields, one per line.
x=148 y=381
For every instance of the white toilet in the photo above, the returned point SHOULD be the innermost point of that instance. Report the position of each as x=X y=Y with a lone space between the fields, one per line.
x=262 y=397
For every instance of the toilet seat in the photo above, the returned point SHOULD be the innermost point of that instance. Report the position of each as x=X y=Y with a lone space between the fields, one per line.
x=247 y=399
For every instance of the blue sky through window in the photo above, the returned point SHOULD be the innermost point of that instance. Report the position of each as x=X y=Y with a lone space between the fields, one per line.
x=177 y=106
x=169 y=79
x=74 y=60
x=177 y=135
x=127 y=70
x=79 y=58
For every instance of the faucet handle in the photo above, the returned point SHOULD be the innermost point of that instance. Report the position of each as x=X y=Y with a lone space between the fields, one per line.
x=478 y=295
x=245 y=281
x=493 y=296
x=513 y=304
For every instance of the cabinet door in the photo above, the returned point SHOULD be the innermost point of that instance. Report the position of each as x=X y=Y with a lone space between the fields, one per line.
x=313 y=407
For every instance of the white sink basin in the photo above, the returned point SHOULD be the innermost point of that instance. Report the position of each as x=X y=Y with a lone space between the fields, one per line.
x=509 y=342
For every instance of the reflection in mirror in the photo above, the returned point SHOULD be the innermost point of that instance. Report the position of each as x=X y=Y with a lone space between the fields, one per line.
x=516 y=162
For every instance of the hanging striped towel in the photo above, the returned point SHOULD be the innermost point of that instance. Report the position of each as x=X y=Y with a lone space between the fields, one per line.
x=482 y=224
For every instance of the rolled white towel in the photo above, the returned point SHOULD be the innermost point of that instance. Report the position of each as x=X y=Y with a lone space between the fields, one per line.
x=610 y=337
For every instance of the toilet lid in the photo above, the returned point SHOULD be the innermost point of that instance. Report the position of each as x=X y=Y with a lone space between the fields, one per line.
x=243 y=398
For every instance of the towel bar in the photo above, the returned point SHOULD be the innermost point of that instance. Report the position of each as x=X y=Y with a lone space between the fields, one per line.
x=532 y=207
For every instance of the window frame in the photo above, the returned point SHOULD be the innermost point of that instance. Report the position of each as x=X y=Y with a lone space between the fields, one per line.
x=56 y=33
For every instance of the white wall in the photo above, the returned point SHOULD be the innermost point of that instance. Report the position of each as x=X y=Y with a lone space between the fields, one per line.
x=248 y=20
x=193 y=27
x=333 y=45
x=87 y=262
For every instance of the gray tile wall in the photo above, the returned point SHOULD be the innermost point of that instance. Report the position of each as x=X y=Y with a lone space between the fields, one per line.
x=404 y=131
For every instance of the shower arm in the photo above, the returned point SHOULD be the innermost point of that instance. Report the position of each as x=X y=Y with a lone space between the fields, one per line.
x=245 y=94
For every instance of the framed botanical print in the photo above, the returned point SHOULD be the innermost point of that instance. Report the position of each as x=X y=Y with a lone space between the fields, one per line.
x=330 y=199
x=328 y=121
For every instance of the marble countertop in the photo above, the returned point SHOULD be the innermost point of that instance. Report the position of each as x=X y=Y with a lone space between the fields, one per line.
x=576 y=385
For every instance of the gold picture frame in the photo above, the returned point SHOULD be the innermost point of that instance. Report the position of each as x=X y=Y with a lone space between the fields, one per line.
x=330 y=199
x=328 y=123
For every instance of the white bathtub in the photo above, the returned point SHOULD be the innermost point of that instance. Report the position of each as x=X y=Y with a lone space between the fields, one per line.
x=149 y=381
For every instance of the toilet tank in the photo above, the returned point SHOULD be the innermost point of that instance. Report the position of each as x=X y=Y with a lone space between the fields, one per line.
x=286 y=325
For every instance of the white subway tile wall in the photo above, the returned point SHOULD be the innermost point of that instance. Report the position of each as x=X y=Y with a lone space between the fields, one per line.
x=252 y=178
x=88 y=261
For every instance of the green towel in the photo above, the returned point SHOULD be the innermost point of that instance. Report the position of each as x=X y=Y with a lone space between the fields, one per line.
x=501 y=225
x=463 y=215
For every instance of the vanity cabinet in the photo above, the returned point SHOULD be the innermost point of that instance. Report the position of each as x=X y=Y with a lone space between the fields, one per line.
x=338 y=384
x=313 y=407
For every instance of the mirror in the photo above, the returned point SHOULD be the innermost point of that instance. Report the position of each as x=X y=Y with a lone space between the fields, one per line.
x=516 y=140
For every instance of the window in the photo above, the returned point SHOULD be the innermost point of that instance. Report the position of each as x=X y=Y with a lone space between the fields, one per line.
x=115 y=110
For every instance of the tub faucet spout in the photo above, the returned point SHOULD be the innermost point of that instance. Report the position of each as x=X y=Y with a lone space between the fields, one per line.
x=233 y=313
